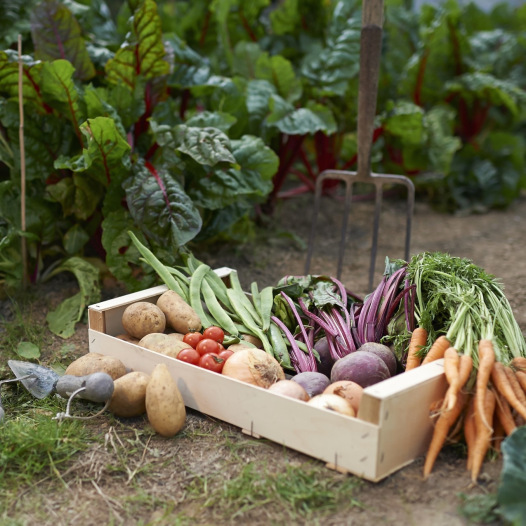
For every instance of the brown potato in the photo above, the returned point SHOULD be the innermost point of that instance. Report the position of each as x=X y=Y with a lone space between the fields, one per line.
x=164 y=403
x=254 y=340
x=164 y=344
x=179 y=315
x=235 y=347
x=142 y=318
x=129 y=395
x=127 y=338
x=96 y=363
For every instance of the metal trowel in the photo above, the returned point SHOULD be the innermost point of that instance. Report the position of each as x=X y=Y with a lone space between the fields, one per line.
x=41 y=381
x=37 y=379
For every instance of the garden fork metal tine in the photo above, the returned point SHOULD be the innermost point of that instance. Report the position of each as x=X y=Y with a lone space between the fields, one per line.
x=370 y=52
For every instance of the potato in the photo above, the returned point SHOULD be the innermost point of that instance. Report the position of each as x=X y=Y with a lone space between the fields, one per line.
x=129 y=395
x=164 y=403
x=254 y=340
x=240 y=346
x=142 y=318
x=176 y=335
x=127 y=338
x=164 y=344
x=179 y=315
x=96 y=363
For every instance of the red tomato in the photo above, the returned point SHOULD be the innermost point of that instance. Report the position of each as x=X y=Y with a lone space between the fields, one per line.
x=225 y=354
x=206 y=345
x=192 y=338
x=189 y=356
x=214 y=333
x=212 y=362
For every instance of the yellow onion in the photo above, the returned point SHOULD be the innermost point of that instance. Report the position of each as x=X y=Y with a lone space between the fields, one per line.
x=332 y=402
x=254 y=366
x=347 y=389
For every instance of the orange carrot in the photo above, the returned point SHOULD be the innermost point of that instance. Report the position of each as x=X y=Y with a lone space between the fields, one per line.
x=501 y=382
x=486 y=361
x=519 y=363
x=443 y=425
x=470 y=433
x=515 y=385
x=458 y=381
x=484 y=431
x=521 y=377
x=418 y=340
x=439 y=347
x=499 y=434
x=504 y=414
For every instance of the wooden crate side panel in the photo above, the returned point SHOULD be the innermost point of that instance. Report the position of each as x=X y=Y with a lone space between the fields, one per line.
x=405 y=425
x=347 y=443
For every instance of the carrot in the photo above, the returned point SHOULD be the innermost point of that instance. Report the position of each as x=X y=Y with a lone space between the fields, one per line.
x=484 y=431
x=439 y=347
x=515 y=385
x=499 y=434
x=418 y=340
x=486 y=361
x=501 y=382
x=504 y=414
x=456 y=379
x=443 y=425
x=521 y=377
x=470 y=433
x=519 y=363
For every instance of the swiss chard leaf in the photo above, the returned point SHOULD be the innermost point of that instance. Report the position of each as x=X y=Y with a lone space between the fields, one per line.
x=57 y=35
x=63 y=319
x=160 y=206
x=207 y=146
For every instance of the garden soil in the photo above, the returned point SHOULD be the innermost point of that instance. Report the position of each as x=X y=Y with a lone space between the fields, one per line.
x=131 y=476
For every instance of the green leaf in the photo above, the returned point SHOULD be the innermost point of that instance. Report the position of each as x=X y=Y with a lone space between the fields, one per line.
x=207 y=146
x=291 y=121
x=60 y=91
x=28 y=350
x=75 y=239
x=246 y=55
x=144 y=54
x=207 y=119
x=252 y=154
x=189 y=68
x=405 y=120
x=14 y=20
x=63 y=319
x=510 y=496
x=160 y=206
x=57 y=35
x=279 y=71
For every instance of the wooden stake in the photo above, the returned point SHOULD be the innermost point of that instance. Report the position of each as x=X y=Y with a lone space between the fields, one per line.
x=22 y=162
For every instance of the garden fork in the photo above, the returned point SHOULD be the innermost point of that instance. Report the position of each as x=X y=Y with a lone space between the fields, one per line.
x=370 y=52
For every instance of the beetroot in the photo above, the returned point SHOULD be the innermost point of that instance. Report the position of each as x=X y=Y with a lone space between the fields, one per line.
x=383 y=352
x=313 y=382
x=364 y=368
x=326 y=360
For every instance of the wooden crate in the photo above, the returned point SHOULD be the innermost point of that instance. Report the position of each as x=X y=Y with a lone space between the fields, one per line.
x=392 y=428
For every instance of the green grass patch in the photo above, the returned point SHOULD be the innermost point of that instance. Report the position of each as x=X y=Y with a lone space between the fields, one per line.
x=299 y=491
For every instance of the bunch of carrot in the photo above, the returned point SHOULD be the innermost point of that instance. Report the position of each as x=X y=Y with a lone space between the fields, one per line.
x=486 y=402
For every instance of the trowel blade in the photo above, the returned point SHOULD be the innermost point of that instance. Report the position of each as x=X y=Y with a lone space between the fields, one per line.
x=42 y=380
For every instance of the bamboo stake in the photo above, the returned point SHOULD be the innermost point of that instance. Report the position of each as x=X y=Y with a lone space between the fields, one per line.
x=22 y=162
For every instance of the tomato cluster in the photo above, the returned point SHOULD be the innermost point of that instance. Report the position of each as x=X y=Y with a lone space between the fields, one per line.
x=207 y=350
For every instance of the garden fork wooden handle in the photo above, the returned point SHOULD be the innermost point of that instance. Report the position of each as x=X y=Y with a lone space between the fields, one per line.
x=370 y=54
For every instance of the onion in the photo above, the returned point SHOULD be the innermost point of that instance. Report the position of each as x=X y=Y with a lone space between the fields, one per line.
x=332 y=402
x=254 y=366
x=290 y=389
x=351 y=391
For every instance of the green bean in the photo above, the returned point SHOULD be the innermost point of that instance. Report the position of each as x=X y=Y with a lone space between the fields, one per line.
x=279 y=346
x=157 y=266
x=242 y=297
x=195 y=294
x=219 y=288
x=247 y=319
x=256 y=299
x=215 y=309
x=266 y=304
